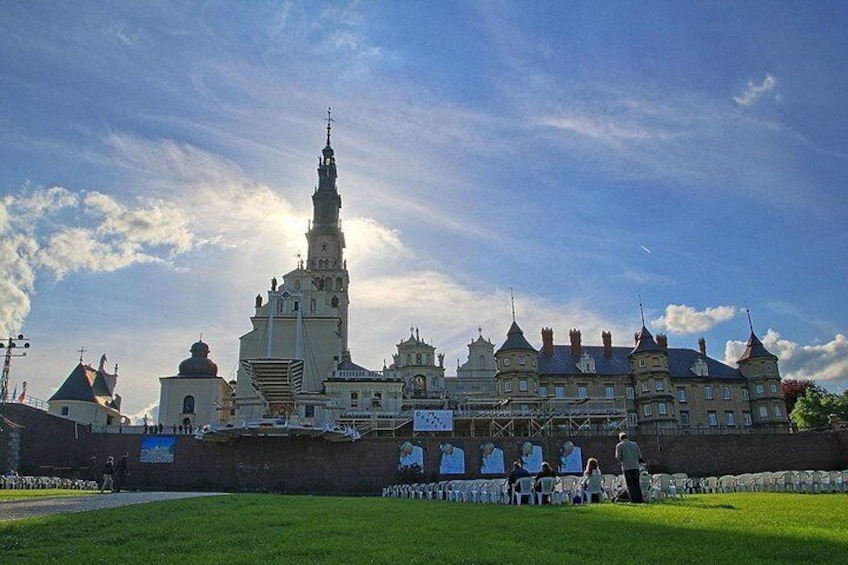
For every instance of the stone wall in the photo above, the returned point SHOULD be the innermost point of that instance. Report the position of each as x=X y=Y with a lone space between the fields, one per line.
x=49 y=445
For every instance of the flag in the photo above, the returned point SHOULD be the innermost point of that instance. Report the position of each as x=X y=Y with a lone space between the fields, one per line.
x=23 y=393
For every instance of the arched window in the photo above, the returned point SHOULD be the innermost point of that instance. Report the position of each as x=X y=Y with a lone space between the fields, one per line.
x=482 y=362
x=417 y=358
x=334 y=302
x=339 y=283
x=188 y=405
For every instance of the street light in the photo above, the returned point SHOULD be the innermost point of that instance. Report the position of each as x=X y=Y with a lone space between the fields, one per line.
x=10 y=344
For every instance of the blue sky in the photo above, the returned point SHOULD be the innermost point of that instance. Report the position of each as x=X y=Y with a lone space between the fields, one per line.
x=157 y=161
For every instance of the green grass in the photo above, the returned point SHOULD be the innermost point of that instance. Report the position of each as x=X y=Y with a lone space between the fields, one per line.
x=6 y=495
x=709 y=529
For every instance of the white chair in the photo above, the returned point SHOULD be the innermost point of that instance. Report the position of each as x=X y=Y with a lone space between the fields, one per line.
x=523 y=489
x=709 y=485
x=727 y=483
x=570 y=486
x=546 y=487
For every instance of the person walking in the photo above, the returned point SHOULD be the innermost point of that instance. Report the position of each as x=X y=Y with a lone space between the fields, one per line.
x=121 y=472
x=630 y=456
x=108 y=471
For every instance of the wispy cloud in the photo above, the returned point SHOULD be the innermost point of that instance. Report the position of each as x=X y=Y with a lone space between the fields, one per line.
x=755 y=91
x=682 y=319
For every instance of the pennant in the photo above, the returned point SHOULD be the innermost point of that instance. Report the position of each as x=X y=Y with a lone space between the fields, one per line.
x=23 y=392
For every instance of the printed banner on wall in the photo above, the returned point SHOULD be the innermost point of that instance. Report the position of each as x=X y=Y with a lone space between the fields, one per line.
x=157 y=450
x=432 y=421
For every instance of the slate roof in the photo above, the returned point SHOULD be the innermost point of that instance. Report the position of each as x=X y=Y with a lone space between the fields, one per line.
x=77 y=386
x=515 y=340
x=680 y=362
x=86 y=384
x=645 y=342
x=755 y=349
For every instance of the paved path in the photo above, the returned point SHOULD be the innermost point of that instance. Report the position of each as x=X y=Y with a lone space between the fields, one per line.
x=29 y=508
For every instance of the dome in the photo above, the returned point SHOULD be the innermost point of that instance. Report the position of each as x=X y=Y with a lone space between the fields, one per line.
x=199 y=364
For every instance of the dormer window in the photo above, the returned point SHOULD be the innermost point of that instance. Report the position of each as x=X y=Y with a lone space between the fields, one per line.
x=699 y=368
x=586 y=363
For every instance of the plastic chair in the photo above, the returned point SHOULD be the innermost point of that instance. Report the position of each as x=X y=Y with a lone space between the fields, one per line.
x=523 y=489
x=546 y=487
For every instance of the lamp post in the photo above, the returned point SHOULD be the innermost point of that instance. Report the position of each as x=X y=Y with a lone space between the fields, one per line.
x=10 y=344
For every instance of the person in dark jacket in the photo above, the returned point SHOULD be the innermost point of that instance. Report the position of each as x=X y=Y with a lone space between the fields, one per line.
x=121 y=472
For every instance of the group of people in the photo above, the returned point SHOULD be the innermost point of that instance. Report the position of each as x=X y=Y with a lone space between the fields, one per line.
x=114 y=474
x=627 y=453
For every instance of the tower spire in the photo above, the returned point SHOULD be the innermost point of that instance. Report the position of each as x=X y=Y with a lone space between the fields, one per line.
x=512 y=301
x=748 y=312
x=641 y=311
x=329 y=121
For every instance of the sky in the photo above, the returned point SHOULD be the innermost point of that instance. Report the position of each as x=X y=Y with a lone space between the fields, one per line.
x=157 y=161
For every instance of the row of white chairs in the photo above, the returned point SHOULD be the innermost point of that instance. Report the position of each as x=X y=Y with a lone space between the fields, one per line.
x=808 y=481
x=556 y=490
x=33 y=483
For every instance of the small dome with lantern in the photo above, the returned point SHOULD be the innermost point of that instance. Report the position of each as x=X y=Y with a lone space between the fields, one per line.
x=199 y=365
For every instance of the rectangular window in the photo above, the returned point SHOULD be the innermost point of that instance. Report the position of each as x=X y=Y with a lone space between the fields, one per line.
x=507 y=386
x=681 y=395
x=658 y=384
x=725 y=392
x=522 y=385
x=66 y=410
x=632 y=420
x=631 y=393
x=309 y=411
x=729 y=418
x=708 y=392
x=661 y=409
x=646 y=387
x=712 y=417
x=609 y=391
x=773 y=388
x=647 y=410
x=521 y=360
x=525 y=409
x=746 y=396
x=684 y=418
x=582 y=391
x=543 y=391
x=760 y=390
x=763 y=410
x=507 y=362
x=354 y=400
x=746 y=417
x=559 y=392
x=642 y=363
x=778 y=412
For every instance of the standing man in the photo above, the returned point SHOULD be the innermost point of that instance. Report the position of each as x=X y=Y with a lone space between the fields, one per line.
x=121 y=472
x=629 y=455
x=108 y=471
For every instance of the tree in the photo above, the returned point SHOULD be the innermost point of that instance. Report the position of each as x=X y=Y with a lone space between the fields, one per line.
x=793 y=389
x=813 y=409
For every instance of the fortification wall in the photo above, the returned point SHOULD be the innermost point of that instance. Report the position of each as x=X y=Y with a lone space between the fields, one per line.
x=47 y=444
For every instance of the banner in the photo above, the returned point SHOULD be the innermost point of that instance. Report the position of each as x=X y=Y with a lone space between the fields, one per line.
x=432 y=421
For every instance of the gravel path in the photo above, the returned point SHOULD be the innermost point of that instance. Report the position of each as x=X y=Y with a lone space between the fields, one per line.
x=20 y=509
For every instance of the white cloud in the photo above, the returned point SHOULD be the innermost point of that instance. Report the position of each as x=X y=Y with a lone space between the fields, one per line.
x=682 y=319
x=754 y=91
x=604 y=129
x=826 y=364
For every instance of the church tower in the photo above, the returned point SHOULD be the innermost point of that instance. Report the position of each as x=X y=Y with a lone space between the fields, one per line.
x=300 y=331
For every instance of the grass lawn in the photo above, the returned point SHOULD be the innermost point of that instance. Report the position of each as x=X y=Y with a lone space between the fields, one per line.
x=711 y=529
x=22 y=494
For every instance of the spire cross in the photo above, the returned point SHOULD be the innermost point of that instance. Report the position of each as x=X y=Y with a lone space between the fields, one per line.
x=81 y=350
x=512 y=302
x=641 y=311
x=748 y=312
x=329 y=121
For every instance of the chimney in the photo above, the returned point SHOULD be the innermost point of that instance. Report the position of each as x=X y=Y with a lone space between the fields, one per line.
x=606 y=337
x=575 y=342
x=702 y=345
x=547 y=341
x=662 y=341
